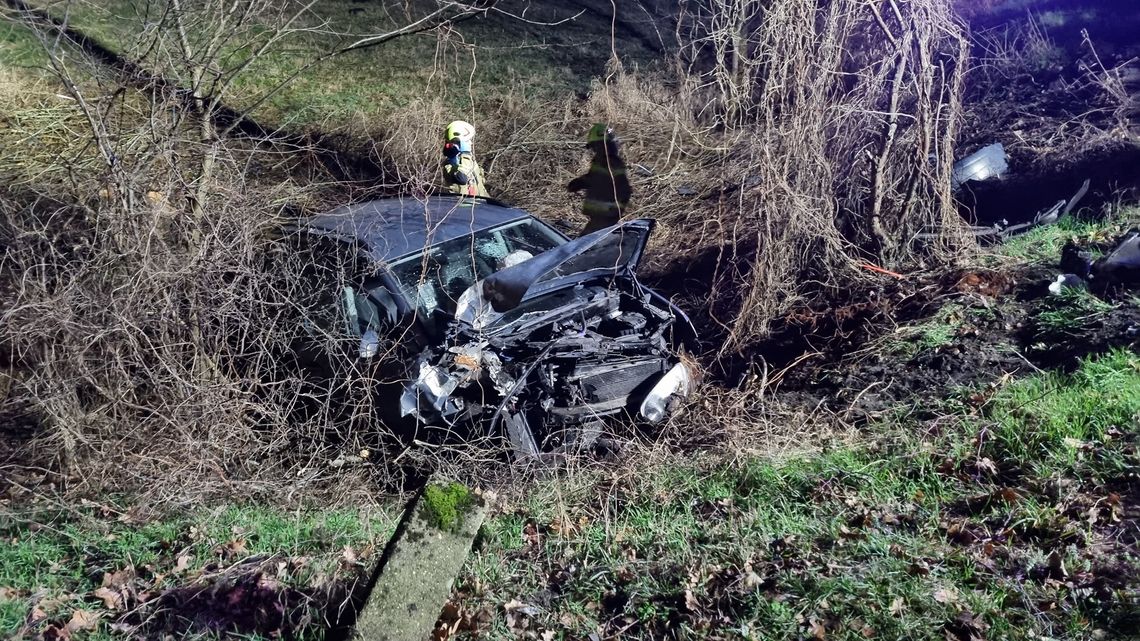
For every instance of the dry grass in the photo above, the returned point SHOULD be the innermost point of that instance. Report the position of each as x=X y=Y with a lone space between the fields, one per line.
x=792 y=172
x=144 y=341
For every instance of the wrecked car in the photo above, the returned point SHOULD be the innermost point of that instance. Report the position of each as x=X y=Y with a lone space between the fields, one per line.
x=496 y=323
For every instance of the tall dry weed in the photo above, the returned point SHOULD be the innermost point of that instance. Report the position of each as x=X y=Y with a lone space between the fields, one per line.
x=148 y=348
x=792 y=140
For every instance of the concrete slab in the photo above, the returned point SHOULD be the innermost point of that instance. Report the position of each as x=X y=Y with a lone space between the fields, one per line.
x=416 y=581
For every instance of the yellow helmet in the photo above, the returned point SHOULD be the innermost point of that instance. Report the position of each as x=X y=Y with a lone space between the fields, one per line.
x=460 y=129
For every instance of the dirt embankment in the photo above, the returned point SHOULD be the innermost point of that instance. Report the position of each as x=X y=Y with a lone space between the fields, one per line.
x=1058 y=84
x=914 y=342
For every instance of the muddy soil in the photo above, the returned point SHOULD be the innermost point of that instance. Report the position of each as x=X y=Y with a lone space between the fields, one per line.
x=1059 y=86
x=997 y=325
x=1066 y=109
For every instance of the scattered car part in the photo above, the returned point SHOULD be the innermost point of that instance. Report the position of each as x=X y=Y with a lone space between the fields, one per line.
x=989 y=162
x=1076 y=261
x=1069 y=206
x=1060 y=209
x=1120 y=267
x=1002 y=229
x=1066 y=282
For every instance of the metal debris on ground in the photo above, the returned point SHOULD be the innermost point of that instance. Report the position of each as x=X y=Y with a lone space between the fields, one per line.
x=989 y=162
x=1003 y=230
x=1118 y=269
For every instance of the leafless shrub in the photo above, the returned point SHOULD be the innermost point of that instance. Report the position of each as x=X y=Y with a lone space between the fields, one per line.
x=1015 y=50
x=1111 y=83
x=154 y=309
x=794 y=139
x=1071 y=104
x=844 y=115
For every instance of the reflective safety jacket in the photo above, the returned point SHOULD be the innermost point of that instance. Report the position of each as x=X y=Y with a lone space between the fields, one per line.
x=464 y=177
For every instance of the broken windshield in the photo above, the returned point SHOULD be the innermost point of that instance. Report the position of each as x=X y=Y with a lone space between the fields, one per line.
x=434 y=280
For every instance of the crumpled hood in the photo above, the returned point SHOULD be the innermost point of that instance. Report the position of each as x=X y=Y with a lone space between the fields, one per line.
x=611 y=250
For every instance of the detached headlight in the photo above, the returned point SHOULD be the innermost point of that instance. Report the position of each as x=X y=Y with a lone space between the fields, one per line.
x=678 y=381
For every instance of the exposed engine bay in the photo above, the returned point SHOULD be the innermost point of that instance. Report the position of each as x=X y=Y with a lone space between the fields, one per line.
x=549 y=371
x=482 y=322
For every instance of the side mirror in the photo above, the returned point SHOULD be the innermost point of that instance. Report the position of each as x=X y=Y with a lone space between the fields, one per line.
x=351 y=315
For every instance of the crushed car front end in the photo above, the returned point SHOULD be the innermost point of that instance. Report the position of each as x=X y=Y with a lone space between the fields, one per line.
x=569 y=340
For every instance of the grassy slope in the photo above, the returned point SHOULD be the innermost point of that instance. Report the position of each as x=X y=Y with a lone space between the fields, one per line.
x=101 y=561
x=503 y=73
x=1003 y=519
x=18 y=47
x=483 y=61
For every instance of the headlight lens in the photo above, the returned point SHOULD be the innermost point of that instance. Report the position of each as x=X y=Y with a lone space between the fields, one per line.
x=677 y=381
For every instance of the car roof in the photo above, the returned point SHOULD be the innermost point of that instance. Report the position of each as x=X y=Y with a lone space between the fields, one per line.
x=391 y=228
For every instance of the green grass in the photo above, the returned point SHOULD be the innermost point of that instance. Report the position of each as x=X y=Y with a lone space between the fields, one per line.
x=1043 y=244
x=19 y=47
x=1052 y=421
x=916 y=535
x=1071 y=311
x=483 y=62
x=36 y=116
x=56 y=563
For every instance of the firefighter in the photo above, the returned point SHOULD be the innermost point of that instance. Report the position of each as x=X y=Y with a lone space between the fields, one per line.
x=606 y=185
x=461 y=174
